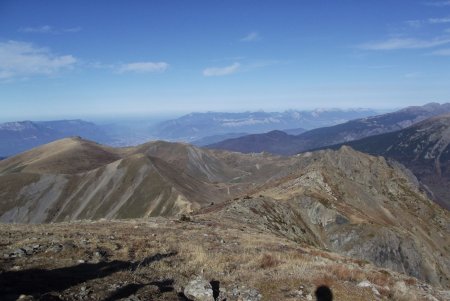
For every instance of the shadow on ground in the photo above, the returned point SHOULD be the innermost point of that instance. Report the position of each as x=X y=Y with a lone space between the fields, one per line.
x=40 y=282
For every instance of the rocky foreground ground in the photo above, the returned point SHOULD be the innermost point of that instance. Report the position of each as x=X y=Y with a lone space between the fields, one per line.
x=188 y=258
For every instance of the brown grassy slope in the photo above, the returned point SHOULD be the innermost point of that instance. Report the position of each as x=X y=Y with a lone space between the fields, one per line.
x=155 y=258
x=65 y=156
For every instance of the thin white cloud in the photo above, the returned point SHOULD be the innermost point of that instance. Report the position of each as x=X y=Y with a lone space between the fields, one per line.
x=411 y=75
x=72 y=29
x=39 y=29
x=404 y=43
x=251 y=37
x=438 y=3
x=442 y=52
x=439 y=20
x=414 y=23
x=21 y=59
x=143 y=67
x=432 y=21
x=47 y=29
x=214 y=71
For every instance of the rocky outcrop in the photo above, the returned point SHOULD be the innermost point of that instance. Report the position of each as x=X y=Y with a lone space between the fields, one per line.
x=199 y=289
x=356 y=205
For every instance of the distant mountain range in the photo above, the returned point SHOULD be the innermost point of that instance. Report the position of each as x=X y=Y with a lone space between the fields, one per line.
x=317 y=138
x=424 y=148
x=16 y=137
x=196 y=126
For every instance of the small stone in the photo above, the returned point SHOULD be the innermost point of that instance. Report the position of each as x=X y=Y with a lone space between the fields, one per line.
x=81 y=261
x=375 y=291
x=365 y=283
x=401 y=287
x=309 y=297
x=19 y=252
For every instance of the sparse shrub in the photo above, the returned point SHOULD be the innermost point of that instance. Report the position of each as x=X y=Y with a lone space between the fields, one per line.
x=326 y=280
x=380 y=278
x=268 y=261
x=411 y=281
x=185 y=218
x=343 y=273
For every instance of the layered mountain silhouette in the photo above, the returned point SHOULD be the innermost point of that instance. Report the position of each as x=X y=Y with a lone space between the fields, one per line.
x=348 y=131
x=196 y=126
x=423 y=148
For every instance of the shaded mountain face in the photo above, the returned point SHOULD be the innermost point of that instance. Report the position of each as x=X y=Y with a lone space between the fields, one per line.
x=345 y=201
x=348 y=131
x=199 y=125
x=17 y=137
x=274 y=142
x=216 y=138
x=295 y=132
x=423 y=148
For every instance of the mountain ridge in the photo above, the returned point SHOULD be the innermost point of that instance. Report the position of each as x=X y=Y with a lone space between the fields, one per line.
x=348 y=131
x=196 y=126
x=423 y=148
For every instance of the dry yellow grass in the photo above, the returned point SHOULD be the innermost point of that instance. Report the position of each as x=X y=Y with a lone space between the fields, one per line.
x=279 y=269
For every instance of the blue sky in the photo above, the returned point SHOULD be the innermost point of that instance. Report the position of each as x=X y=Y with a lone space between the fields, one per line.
x=67 y=59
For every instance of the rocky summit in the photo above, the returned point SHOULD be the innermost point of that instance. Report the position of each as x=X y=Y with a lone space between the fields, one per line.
x=170 y=221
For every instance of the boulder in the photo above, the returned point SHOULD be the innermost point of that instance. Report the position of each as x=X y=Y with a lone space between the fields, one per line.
x=199 y=289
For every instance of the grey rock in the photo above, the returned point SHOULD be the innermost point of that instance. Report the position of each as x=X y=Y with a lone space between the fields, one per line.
x=199 y=289
x=245 y=294
x=20 y=252
x=55 y=248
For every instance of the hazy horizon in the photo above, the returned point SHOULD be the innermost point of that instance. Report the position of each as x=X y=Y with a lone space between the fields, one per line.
x=158 y=117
